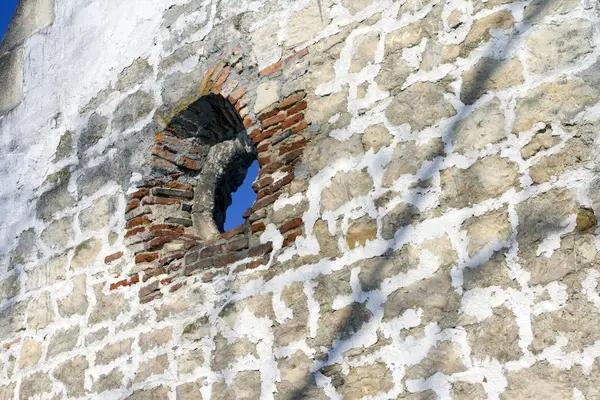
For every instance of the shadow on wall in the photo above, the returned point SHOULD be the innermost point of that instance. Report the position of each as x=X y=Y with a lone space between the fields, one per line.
x=359 y=314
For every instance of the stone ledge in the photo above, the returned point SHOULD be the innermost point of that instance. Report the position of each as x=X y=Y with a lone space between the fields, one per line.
x=11 y=79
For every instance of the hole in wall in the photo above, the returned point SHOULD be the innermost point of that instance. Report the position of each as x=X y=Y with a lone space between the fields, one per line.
x=242 y=199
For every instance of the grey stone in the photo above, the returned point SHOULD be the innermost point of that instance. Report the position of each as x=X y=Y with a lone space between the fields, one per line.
x=112 y=351
x=355 y=6
x=482 y=127
x=188 y=362
x=400 y=216
x=11 y=79
x=133 y=75
x=444 y=357
x=63 y=340
x=109 y=381
x=467 y=391
x=155 y=338
x=561 y=99
x=24 y=251
x=304 y=24
x=65 y=146
x=226 y=353
x=47 y=274
x=328 y=245
x=76 y=302
x=267 y=94
x=36 y=384
x=29 y=17
x=132 y=109
x=487 y=178
x=344 y=187
x=179 y=86
x=93 y=179
x=541 y=141
x=492 y=272
x=108 y=307
x=93 y=132
x=576 y=153
x=96 y=336
x=7 y=392
x=366 y=380
x=376 y=137
x=157 y=393
x=40 y=312
x=487 y=229
x=97 y=216
x=434 y=295
x=364 y=51
x=408 y=157
x=72 y=374
x=56 y=199
x=542 y=381
x=153 y=366
x=183 y=53
x=86 y=253
x=245 y=386
x=537 y=10
x=336 y=149
x=554 y=47
x=341 y=324
x=10 y=287
x=490 y=75
x=296 y=378
x=295 y=328
x=12 y=319
x=420 y=105
x=480 y=30
x=31 y=352
x=58 y=233
x=496 y=337
x=189 y=391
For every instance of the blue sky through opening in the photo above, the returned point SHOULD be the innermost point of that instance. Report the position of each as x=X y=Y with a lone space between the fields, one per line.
x=242 y=199
x=7 y=9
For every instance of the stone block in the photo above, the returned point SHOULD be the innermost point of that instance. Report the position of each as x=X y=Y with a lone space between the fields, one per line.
x=36 y=384
x=63 y=340
x=11 y=79
x=112 y=351
x=76 y=302
x=110 y=381
x=72 y=374
x=31 y=352
x=155 y=338
x=40 y=311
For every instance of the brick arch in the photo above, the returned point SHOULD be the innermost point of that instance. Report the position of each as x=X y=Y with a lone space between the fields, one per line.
x=175 y=217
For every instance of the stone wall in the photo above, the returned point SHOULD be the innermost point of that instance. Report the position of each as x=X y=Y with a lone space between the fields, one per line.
x=425 y=217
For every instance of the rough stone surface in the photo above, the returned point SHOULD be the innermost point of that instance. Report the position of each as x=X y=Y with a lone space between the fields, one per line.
x=72 y=374
x=31 y=352
x=484 y=126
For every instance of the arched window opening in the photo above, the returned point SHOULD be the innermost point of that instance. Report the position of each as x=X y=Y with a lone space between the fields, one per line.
x=214 y=126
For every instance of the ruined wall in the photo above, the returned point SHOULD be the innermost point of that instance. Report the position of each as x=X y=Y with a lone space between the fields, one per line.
x=425 y=220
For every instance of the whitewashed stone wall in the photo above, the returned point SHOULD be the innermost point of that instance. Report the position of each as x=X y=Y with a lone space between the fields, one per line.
x=448 y=195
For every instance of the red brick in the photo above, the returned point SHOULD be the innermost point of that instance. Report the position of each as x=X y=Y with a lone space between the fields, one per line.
x=188 y=163
x=260 y=250
x=291 y=224
x=256 y=263
x=268 y=114
x=168 y=227
x=291 y=121
x=119 y=284
x=271 y=69
x=225 y=260
x=151 y=273
x=160 y=200
x=294 y=57
x=176 y=287
x=274 y=120
x=171 y=142
x=179 y=185
x=115 y=256
x=132 y=223
x=263 y=147
x=297 y=108
x=159 y=242
x=169 y=280
x=237 y=94
x=258 y=227
x=233 y=232
x=139 y=194
x=211 y=250
x=221 y=80
x=163 y=153
x=208 y=263
x=265 y=135
x=291 y=237
x=290 y=158
x=204 y=87
x=237 y=244
x=248 y=121
x=134 y=279
x=291 y=100
x=269 y=169
x=276 y=186
x=135 y=203
x=145 y=257
x=134 y=232
x=243 y=102
x=292 y=146
x=261 y=183
x=152 y=297
x=264 y=160
x=163 y=164
x=299 y=127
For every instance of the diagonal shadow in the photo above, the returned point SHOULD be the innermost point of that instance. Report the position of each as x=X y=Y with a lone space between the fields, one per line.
x=484 y=74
